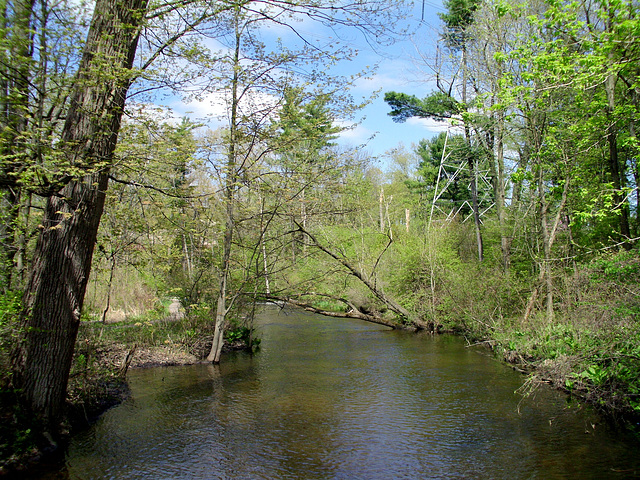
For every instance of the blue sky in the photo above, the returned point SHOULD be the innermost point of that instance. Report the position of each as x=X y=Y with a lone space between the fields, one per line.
x=400 y=69
x=403 y=70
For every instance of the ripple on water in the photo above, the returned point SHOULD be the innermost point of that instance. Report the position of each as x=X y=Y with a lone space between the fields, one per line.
x=329 y=399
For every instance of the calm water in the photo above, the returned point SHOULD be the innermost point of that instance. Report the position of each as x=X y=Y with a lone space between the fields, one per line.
x=336 y=399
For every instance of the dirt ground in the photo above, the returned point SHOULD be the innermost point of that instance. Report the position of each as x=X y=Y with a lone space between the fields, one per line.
x=115 y=355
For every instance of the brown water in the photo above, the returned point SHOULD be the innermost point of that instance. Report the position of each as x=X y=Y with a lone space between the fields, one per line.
x=336 y=399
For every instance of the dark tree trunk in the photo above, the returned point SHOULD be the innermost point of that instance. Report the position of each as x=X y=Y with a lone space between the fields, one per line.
x=617 y=174
x=55 y=294
x=15 y=78
x=62 y=260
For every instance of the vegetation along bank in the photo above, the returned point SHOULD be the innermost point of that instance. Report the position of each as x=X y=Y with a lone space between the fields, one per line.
x=516 y=225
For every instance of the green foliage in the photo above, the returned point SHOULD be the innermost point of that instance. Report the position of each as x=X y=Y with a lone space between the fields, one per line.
x=622 y=266
x=306 y=123
x=437 y=105
x=453 y=180
x=593 y=349
x=457 y=19
x=18 y=435
x=244 y=335
x=10 y=308
x=154 y=328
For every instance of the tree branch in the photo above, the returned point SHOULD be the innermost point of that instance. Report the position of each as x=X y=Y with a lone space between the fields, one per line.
x=389 y=302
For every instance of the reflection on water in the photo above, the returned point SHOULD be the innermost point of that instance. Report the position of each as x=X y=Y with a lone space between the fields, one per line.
x=336 y=399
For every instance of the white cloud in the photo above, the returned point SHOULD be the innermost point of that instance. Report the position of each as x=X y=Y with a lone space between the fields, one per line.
x=210 y=108
x=354 y=134
x=432 y=125
x=379 y=81
x=213 y=108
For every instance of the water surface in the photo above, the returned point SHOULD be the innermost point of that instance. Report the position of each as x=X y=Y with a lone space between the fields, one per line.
x=341 y=399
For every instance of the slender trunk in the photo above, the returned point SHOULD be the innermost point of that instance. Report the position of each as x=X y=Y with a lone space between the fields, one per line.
x=636 y=177
x=612 y=138
x=187 y=257
x=386 y=211
x=303 y=214
x=107 y=306
x=472 y=163
x=62 y=258
x=549 y=233
x=263 y=247
x=476 y=206
x=265 y=266
x=635 y=167
x=14 y=148
x=545 y=266
x=230 y=189
x=218 y=336
x=221 y=309
x=505 y=242
x=381 y=207
x=619 y=200
x=18 y=280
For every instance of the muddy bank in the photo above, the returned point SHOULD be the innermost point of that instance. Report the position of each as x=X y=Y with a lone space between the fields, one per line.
x=90 y=394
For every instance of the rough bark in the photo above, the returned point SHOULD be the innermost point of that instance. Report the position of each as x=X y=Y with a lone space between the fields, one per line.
x=62 y=259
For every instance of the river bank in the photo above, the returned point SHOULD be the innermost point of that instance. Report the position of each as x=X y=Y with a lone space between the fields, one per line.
x=344 y=399
x=103 y=357
x=90 y=395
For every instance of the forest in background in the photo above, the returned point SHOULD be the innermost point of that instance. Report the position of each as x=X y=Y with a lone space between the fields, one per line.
x=517 y=227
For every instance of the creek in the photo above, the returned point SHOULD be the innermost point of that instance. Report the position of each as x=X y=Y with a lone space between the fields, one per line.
x=343 y=399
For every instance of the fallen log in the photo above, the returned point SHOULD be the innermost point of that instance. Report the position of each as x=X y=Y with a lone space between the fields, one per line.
x=398 y=309
x=352 y=312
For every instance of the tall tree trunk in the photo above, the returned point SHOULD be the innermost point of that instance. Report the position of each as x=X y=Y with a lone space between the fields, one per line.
x=545 y=266
x=16 y=77
x=612 y=138
x=473 y=167
x=263 y=247
x=549 y=233
x=476 y=205
x=635 y=171
x=231 y=179
x=221 y=308
x=112 y=270
x=62 y=259
x=303 y=214
x=614 y=161
x=505 y=241
x=18 y=280
x=381 y=207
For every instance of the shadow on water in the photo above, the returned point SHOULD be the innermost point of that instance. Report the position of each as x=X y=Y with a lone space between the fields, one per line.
x=337 y=399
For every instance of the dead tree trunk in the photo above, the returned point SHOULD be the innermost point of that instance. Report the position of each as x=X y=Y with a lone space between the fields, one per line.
x=379 y=294
x=353 y=312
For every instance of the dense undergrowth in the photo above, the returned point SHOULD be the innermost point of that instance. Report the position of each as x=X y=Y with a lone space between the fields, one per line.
x=589 y=347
